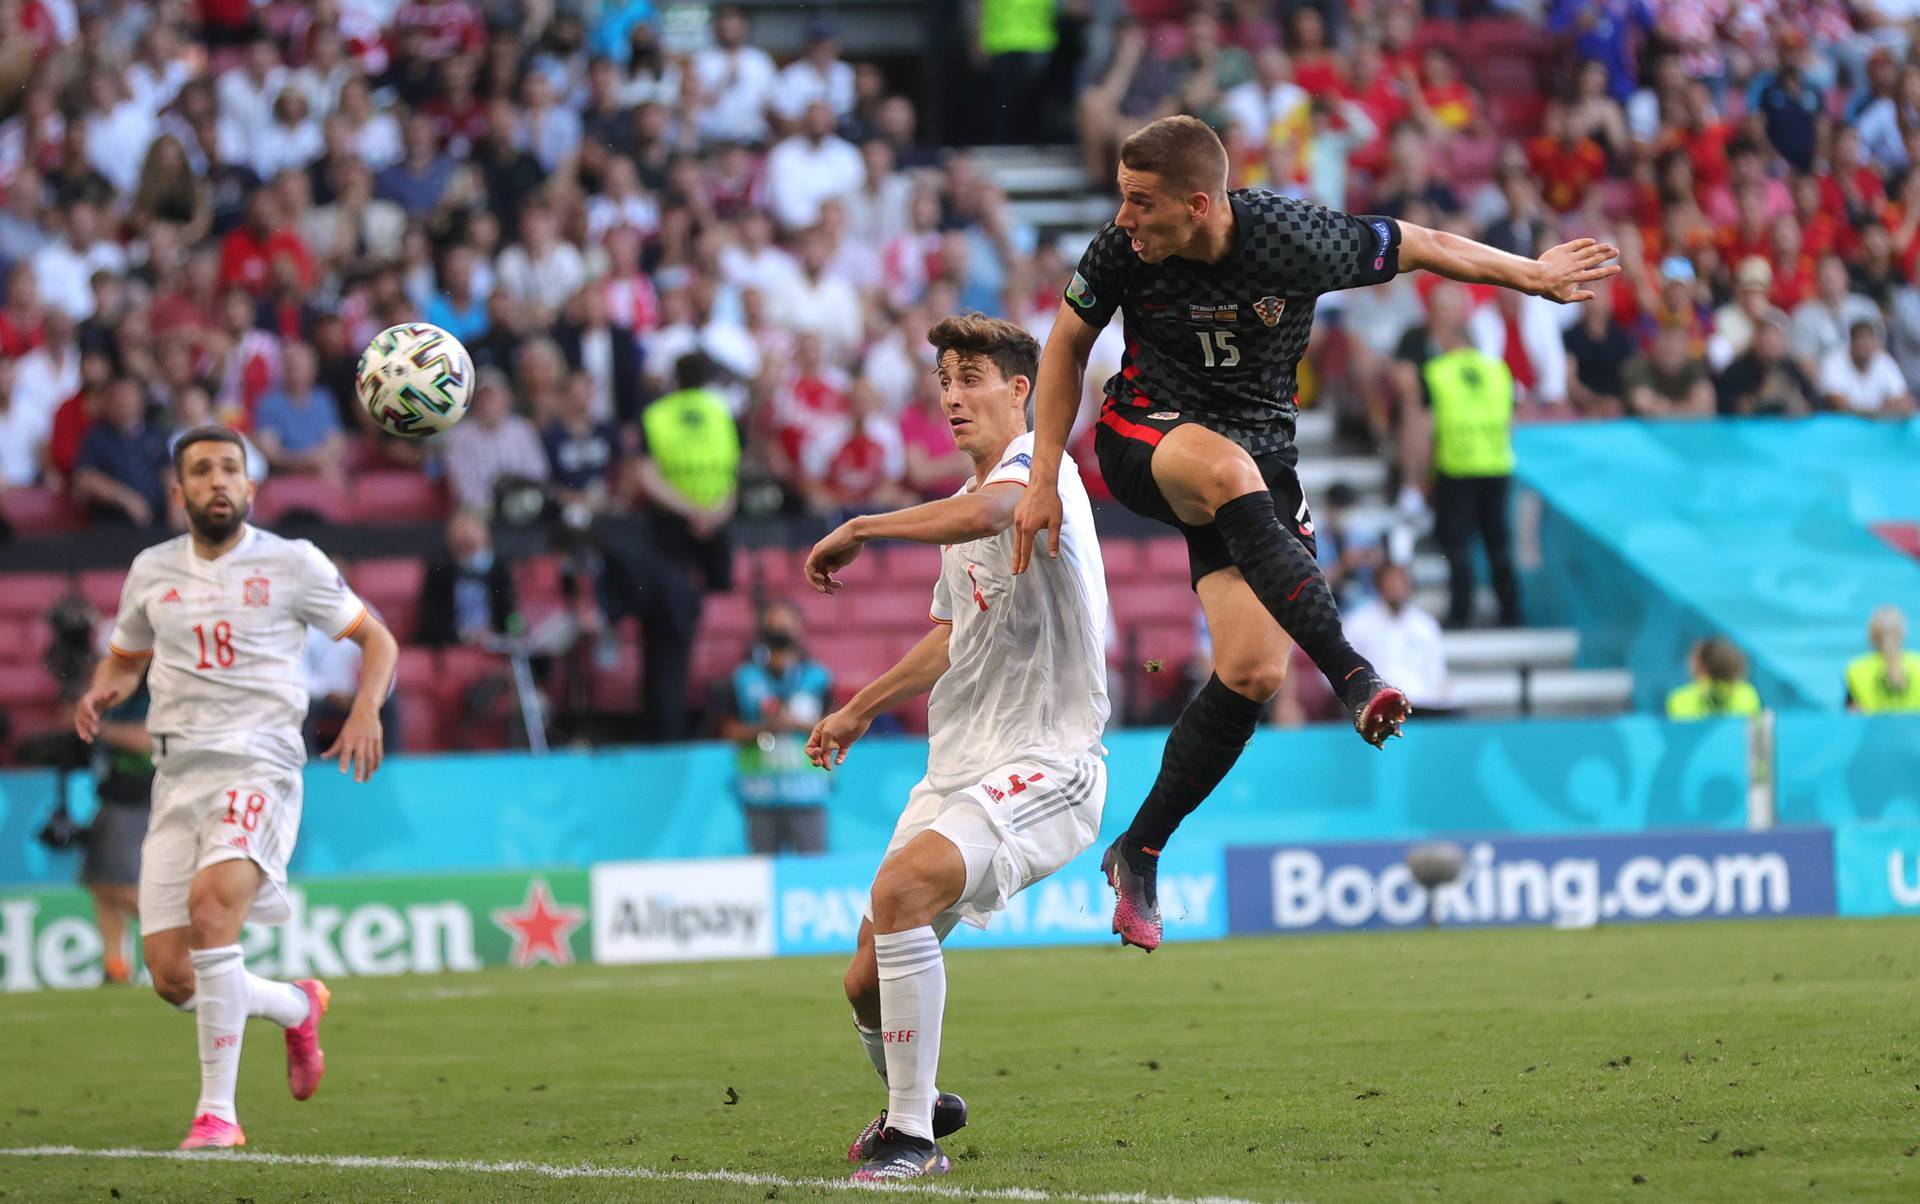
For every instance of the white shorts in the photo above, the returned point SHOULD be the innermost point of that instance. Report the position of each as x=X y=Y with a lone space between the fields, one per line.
x=1013 y=827
x=212 y=807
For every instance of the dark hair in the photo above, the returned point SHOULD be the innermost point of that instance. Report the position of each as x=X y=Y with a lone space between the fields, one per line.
x=1011 y=349
x=205 y=434
x=1183 y=151
x=694 y=370
x=1722 y=661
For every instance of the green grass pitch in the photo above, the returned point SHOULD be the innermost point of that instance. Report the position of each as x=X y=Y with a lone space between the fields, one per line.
x=1732 y=1061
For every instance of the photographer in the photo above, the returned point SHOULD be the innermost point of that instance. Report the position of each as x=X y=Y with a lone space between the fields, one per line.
x=110 y=867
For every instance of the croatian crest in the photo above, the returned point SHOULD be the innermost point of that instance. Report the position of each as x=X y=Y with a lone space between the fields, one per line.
x=1270 y=309
x=253 y=591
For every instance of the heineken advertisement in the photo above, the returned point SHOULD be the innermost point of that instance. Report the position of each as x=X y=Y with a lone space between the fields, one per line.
x=339 y=927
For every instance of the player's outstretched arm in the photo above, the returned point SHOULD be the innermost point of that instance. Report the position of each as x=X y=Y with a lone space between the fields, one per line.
x=1561 y=273
x=361 y=744
x=114 y=680
x=913 y=676
x=962 y=518
x=1056 y=402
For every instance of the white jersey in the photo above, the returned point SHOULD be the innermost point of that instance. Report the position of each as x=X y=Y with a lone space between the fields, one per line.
x=228 y=639
x=1027 y=676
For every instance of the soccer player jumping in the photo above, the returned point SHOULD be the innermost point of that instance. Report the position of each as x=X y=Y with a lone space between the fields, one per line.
x=1218 y=289
x=220 y=616
x=1015 y=783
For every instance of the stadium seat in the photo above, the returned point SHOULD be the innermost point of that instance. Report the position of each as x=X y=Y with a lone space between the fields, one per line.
x=1165 y=559
x=417 y=668
x=102 y=589
x=616 y=687
x=392 y=587
x=728 y=616
x=714 y=659
x=393 y=496
x=891 y=608
x=285 y=496
x=27 y=688
x=30 y=595
x=916 y=563
x=34 y=511
x=1155 y=605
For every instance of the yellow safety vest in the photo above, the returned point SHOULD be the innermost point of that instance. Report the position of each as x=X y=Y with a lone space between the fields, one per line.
x=1705 y=699
x=1017 y=26
x=692 y=438
x=1867 y=684
x=1472 y=395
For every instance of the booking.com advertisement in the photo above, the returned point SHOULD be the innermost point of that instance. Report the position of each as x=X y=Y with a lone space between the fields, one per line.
x=1878 y=866
x=819 y=902
x=1569 y=883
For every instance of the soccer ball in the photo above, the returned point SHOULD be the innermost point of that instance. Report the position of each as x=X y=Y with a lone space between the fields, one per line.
x=415 y=379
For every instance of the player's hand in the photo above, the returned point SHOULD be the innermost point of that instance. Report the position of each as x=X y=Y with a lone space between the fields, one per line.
x=829 y=556
x=360 y=745
x=1566 y=269
x=86 y=712
x=1038 y=511
x=831 y=738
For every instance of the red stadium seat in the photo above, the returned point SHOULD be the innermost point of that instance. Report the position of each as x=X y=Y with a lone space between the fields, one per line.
x=714 y=659
x=892 y=608
x=394 y=496
x=912 y=563
x=30 y=595
x=616 y=687
x=284 y=495
x=1157 y=603
x=392 y=588
x=1165 y=559
x=728 y=616
x=102 y=589
x=418 y=668
x=537 y=578
x=27 y=688
x=1125 y=559
x=34 y=511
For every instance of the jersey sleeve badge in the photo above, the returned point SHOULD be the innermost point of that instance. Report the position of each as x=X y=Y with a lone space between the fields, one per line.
x=1080 y=292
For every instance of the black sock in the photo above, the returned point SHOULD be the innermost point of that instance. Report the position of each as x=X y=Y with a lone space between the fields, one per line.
x=1205 y=742
x=1288 y=582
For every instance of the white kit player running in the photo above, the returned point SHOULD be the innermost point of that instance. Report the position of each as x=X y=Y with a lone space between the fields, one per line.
x=1015 y=782
x=221 y=615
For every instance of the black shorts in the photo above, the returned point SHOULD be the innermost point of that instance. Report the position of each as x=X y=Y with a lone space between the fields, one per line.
x=1125 y=443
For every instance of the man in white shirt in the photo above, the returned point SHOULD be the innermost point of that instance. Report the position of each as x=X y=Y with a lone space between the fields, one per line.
x=63 y=269
x=541 y=271
x=1402 y=640
x=246 y=98
x=816 y=302
x=1015 y=782
x=1861 y=378
x=817 y=75
x=221 y=615
x=811 y=166
x=46 y=376
x=736 y=82
x=1821 y=323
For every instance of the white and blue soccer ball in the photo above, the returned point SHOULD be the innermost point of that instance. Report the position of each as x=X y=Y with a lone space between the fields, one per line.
x=415 y=379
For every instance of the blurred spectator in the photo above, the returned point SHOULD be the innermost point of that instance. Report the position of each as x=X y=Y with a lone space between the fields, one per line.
x=1606 y=32
x=491 y=444
x=23 y=435
x=855 y=459
x=192 y=407
x=421 y=176
x=119 y=474
x=332 y=671
x=298 y=424
x=816 y=77
x=1568 y=165
x=688 y=471
x=1764 y=380
x=778 y=694
x=1822 y=324
x=1401 y=640
x=1719 y=686
x=819 y=303
x=457 y=308
x=75 y=417
x=467 y=593
x=1347 y=563
x=110 y=865
x=736 y=81
x=1668 y=380
x=1861 y=378
x=608 y=356
x=1886 y=679
x=63 y=268
x=1523 y=229
x=812 y=165
x=583 y=449
x=247 y=254
x=1524 y=332
x=541 y=271
x=1016 y=38
x=1598 y=349
x=356 y=225
x=1735 y=323
x=1470 y=396
x=49 y=373
x=935 y=466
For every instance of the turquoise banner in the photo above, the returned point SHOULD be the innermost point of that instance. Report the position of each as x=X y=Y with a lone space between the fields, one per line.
x=1837 y=769
x=1877 y=869
x=491 y=811
x=1653 y=535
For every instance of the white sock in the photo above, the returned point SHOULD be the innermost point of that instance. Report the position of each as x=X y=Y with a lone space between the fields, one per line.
x=220 y=980
x=281 y=1002
x=913 y=995
x=875 y=1047
x=188 y=1004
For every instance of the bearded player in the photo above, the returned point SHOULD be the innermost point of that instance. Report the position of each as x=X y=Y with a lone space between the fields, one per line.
x=1015 y=783
x=1218 y=289
x=217 y=619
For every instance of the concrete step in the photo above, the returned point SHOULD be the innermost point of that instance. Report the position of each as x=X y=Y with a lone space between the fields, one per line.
x=1508 y=648
x=1057 y=212
x=1023 y=179
x=1542 y=691
x=1364 y=474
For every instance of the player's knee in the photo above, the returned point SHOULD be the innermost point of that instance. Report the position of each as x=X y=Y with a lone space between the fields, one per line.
x=899 y=899
x=172 y=983
x=1227 y=477
x=1257 y=679
x=211 y=921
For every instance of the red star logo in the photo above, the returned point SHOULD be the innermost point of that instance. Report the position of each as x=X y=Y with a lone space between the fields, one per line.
x=540 y=927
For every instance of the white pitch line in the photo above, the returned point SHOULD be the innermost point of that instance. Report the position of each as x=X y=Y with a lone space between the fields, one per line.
x=590 y=1171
